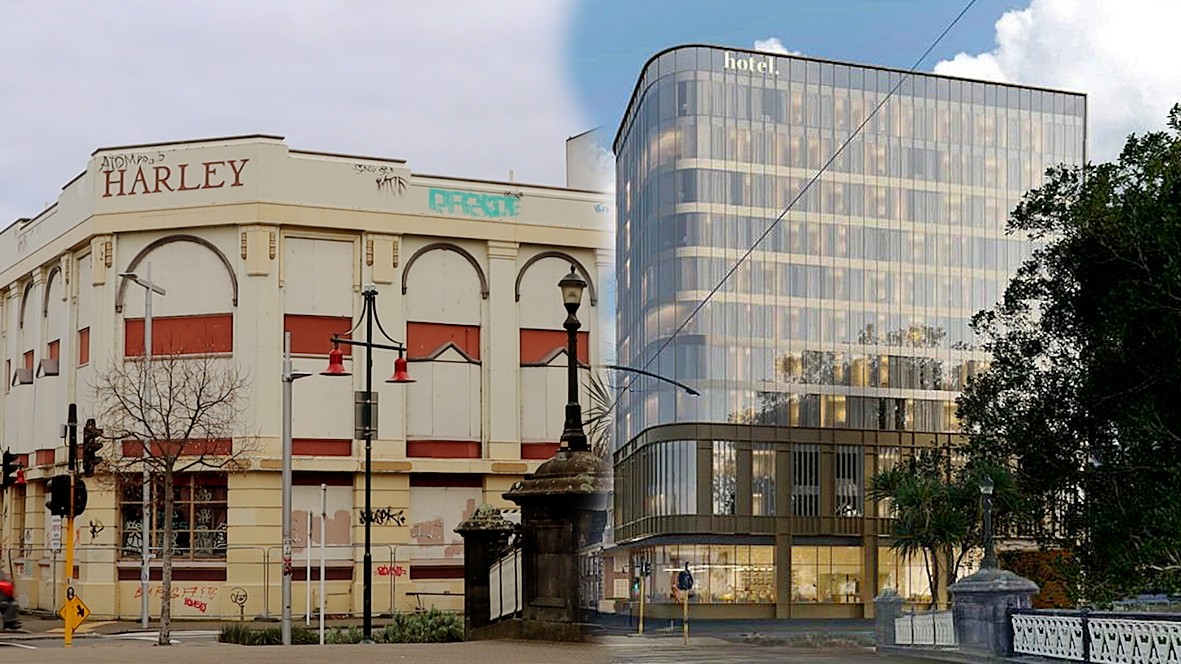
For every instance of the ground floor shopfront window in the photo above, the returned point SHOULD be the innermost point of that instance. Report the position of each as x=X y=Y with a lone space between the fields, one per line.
x=722 y=573
x=907 y=576
x=827 y=574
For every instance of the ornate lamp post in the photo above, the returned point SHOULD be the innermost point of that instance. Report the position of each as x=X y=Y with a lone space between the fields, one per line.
x=573 y=435
x=366 y=424
x=986 y=487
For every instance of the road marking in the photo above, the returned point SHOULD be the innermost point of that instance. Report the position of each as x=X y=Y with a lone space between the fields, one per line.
x=141 y=636
x=17 y=645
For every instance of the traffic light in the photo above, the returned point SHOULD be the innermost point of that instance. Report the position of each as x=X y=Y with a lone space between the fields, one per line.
x=57 y=496
x=10 y=470
x=91 y=446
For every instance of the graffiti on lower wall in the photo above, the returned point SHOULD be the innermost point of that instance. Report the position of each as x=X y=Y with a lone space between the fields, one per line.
x=204 y=593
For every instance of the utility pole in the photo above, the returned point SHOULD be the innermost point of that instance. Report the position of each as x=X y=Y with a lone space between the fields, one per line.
x=145 y=282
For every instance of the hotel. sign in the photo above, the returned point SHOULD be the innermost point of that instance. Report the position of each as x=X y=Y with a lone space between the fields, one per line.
x=751 y=63
x=131 y=175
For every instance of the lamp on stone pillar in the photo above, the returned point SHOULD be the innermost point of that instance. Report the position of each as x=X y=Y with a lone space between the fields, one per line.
x=573 y=435
x=986 y=487
x=563 y=508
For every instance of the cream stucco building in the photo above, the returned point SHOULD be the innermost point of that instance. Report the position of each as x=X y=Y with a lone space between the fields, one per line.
x=250 y=239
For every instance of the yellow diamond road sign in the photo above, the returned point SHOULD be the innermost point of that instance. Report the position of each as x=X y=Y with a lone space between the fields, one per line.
x=74 y=612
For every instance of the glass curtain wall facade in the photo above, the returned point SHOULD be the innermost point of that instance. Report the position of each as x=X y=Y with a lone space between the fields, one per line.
x=852 y=312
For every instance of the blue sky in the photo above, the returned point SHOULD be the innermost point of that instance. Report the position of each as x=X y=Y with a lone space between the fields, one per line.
x=610 y=40
x=476 y=88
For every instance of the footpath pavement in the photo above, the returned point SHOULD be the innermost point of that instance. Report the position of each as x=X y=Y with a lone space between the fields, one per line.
x=715 y=642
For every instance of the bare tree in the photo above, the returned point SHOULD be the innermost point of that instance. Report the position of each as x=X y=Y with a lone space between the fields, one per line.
x=181 y=414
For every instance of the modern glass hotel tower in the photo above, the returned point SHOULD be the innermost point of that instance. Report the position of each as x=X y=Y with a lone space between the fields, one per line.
x=839 y=344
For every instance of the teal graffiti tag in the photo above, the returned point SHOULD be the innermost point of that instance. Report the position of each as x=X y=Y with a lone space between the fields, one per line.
x=471 y=204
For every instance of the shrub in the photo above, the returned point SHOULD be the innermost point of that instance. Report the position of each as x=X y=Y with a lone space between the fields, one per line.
x=432 y=626
x=245 y=635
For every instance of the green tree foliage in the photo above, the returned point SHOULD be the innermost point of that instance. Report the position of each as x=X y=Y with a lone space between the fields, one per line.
x=1083 y=390
x=935 y=507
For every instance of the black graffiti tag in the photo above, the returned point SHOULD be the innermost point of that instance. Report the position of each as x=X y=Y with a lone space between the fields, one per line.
x=385 y=517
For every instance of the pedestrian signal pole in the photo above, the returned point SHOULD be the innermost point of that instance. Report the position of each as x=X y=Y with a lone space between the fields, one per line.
x=685 y=584
x=641 y=602
x=72 y=443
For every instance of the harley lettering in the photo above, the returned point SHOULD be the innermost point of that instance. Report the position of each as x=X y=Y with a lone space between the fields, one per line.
x=155 y=178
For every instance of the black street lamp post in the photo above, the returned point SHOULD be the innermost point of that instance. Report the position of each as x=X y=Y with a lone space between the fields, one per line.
x=366 y=426
x=573 y=435
x=986 y=487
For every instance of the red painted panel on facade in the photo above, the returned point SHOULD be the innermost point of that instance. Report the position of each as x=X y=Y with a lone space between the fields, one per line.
x=179 y=573
x=310 y=334
x=445 y=480
x=45 y=457
x=84 y=345
x=321 y=447
x=213 y=333
x=443 y=449
x=28 y=359
x=54 y=349
x=539 y=450
x=210 y=447
x=423 y=572
x=315 y=478
x=423 y=340
x=537 y=346
x=331 y=572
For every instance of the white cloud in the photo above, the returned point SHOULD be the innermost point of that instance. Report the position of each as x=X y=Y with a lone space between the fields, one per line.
x=1122 y=53
x=773 y=45
x=455 y=87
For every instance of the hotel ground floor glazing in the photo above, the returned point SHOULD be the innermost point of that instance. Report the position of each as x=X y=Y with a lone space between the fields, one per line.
x=773 y=522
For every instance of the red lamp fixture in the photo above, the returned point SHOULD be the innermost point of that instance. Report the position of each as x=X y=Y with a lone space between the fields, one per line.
x=401 y=375
x=335 y=362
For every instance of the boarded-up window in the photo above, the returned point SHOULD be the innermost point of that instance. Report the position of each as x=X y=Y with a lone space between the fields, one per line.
x=310 y=335
x=182 y=334
x=84 y=346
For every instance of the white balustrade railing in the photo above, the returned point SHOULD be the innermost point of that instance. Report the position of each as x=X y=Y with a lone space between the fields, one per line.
x=1048 y=635
x=504 y=585
x=1134 y=640
x=1097 y=637
x=925 y=629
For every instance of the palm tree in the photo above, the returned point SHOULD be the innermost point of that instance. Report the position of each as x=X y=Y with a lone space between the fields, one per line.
x=925 y=520
x=935 y=508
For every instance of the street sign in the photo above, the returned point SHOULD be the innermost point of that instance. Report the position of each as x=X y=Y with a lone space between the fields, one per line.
x=685 y=580
x=55 y=533
x=75 y=612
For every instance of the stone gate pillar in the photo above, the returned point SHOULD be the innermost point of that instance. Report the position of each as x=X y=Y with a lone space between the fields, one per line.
x=980 y=604
x=485 y=538
x=563 y=507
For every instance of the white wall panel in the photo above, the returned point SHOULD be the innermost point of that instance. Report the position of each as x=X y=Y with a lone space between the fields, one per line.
x=318 y=276
x=195 y=278
x=543 y=398
x=541 y=300
x=443 y=288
